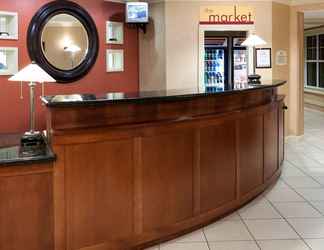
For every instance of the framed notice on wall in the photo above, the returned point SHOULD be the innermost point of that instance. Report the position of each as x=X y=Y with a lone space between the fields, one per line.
x=263 y=58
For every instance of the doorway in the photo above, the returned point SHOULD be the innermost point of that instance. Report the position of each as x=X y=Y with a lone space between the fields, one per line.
x=228 y=39
x=226 y=60
x=314 y=60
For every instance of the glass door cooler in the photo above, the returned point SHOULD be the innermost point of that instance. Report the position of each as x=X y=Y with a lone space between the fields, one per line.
x=225 y=60
x=240 y=61
x=215 y=63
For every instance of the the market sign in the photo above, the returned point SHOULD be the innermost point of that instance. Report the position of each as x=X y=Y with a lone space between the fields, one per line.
x=227 y=15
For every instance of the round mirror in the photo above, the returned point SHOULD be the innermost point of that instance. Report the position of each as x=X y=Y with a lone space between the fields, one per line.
x=65 y=42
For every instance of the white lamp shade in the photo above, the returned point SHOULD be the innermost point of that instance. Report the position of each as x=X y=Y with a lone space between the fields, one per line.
x=253 y=41
x=32 y=73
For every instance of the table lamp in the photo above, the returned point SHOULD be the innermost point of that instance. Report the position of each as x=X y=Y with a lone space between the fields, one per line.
x=32 y=74
x=253 y=41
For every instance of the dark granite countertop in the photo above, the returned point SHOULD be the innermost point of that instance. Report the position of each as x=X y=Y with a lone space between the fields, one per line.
x=11 y=153
x=146 y=96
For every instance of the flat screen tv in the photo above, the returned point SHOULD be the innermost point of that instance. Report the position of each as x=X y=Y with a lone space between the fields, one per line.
x=137 y=12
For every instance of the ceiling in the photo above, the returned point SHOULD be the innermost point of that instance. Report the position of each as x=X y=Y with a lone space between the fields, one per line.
x=289 y=2
x=313 y=19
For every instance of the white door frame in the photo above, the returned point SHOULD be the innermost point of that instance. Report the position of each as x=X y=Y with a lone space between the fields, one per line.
x=201 y=53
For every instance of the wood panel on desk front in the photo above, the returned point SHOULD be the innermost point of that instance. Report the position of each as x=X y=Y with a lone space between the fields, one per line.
x=165 y=158
x=281 y=128
x=217 y=165
x=99 y=192
x=271 y=149
x=129 y=186
x=26 y=207
x=84 y=117
x=250 y=152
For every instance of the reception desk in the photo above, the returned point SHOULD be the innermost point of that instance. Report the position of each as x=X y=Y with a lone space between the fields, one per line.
x=137 y=169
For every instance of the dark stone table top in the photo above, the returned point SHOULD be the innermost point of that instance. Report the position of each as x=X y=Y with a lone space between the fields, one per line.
x=12 y=154
x=149 y=96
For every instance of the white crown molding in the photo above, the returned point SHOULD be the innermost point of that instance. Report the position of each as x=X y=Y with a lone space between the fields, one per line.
x=115 y=1
x=304 y=2
x=287 y=2
x=215 y=1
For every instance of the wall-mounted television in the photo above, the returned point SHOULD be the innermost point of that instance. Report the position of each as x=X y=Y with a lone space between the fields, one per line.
x=137 y=12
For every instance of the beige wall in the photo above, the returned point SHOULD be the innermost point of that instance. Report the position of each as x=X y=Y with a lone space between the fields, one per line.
x=280 y=25
x=182 y=40
x=296 y=71
x=180 y=44
x=314 y=97
x=153 y=51
x=280 y=41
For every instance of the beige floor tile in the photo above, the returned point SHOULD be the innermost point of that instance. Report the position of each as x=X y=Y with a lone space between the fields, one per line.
x=309 y=228
x=283 y=195
x=301 y=182
x=283 y=245
x=185 y=246
x=271 y=229
x=319 y=205
x=316 y=244
x=234 y=245
x=260 y=209
x=311 y=194
x=297 y=210
x=227 y=231
x=197 y=236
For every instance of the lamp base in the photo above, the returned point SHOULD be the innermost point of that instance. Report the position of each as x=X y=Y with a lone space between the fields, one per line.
x=254 y=79
x=32 y=139
x=32 y=144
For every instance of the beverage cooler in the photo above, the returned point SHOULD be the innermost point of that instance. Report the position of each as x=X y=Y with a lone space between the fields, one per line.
x=216 y=62
x=225 y=60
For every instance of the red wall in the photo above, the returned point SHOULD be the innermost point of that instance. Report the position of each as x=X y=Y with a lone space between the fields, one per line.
x=14 y=111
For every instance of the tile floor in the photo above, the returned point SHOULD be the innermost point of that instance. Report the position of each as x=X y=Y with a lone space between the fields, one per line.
x=289 y=216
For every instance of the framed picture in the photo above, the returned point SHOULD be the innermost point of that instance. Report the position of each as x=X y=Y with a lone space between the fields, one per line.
x=263 y=58
x=8 y=25
x=115 y=60
x=8 y=60
x=114 y=32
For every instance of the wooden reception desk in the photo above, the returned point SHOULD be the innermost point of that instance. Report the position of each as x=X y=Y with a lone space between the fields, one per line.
x=136 y=169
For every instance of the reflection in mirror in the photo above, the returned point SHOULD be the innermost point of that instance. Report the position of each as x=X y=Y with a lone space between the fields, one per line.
x=65 y=42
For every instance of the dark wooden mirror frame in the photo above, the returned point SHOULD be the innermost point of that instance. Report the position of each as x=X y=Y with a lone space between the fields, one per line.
x=34 y=39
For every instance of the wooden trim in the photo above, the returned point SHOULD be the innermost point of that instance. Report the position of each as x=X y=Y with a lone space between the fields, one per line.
x=196 y=171
x=314 y=92
x=138 y=186
x=314 y=107
x=314 y=28
x=25 y=170
x=238 y=173
x=60 y=222
x=163 y=195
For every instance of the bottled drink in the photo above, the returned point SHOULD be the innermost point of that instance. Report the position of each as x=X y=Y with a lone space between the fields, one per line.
x=221 y=54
